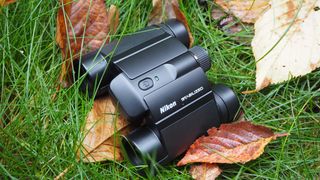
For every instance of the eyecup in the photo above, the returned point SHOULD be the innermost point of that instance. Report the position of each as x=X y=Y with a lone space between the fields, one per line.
x=95 y=73
x=227 y=102
x=178 y=30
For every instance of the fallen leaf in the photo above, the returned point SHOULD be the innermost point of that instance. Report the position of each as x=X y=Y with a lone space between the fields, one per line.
x=218 y=14
x=6 y=2
x=205 y=171
x=102 y=123
x=247 y=11
x=231 y=26
x=82 y=26
x=230 y=143
x=287 y=41
x=167 y=10
x=109 y=150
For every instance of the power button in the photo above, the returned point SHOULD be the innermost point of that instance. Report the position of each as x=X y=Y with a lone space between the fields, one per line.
x=146 y=84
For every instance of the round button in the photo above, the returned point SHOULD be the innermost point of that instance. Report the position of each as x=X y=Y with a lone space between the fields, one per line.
x=146 y=84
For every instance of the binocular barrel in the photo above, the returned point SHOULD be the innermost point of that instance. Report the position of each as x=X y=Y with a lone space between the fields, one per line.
x=97 y=69
x=155 y=145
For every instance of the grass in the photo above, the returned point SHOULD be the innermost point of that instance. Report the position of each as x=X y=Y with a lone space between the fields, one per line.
x=40 y=136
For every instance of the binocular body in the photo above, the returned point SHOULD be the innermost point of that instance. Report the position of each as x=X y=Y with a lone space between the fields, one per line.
x=160 y=85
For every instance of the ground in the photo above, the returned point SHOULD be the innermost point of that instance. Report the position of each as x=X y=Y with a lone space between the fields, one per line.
x=40 y=135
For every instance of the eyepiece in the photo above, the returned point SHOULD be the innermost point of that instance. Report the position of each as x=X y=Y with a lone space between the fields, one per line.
x=94 y=73
x=202 y=57
x=142 y=146
x=177 y=29
x=227 y=103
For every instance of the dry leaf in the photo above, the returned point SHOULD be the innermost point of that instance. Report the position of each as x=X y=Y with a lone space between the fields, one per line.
x=218 y=14
x=230 y=143
x=247 y=11
x=231 y=26
x=167 y=10
x=6 y=2
x=287 y=41
x=83 y=26
x=102 y=122
x=205 y=171
x=109 y=149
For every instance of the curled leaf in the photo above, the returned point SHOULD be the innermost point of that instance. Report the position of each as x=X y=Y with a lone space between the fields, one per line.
x=205 y=171
x=287 y=41
x=102 y=123
x=168 y=9
x=247 y=11
x=230 y=143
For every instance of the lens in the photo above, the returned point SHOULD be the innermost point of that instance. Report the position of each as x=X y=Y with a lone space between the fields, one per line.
x=177 y=29
x=143 y=146
x=227 y=103
x=131 y=151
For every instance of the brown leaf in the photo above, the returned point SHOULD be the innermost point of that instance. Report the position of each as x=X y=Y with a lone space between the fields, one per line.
x=247 y=11
x=6 y=2
x=217 y=14
x=101 y=124
x=109 y=149
x=231 y=26
x=205 y=171
x=230 y=143
x=167 y=10
x=83 y=26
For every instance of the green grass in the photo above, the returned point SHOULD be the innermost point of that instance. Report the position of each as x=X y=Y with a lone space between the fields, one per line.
x=41 y=135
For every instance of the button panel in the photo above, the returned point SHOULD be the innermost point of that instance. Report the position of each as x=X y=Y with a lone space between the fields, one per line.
x=146 y=84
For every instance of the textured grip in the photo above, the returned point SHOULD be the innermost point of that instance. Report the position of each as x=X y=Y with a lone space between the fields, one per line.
x=202 y=57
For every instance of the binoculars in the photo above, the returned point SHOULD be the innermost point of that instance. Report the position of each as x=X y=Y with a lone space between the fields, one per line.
x=160 y=85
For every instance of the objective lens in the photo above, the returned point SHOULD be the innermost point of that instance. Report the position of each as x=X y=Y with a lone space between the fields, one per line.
x=227 y=102
x=177 y=29
x=141 y=145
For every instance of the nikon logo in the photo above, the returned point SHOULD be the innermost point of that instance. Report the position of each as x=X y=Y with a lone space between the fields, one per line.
x=166 y=107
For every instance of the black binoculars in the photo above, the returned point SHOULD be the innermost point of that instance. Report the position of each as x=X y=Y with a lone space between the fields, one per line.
x=159 y=84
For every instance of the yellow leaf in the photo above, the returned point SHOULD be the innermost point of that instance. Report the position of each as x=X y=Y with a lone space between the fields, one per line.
x=287 y=41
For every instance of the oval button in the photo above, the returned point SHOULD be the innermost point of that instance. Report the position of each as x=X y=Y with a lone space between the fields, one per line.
x=146 y=84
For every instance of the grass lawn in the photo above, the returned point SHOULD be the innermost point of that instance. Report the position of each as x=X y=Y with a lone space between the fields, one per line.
x=40 y=136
